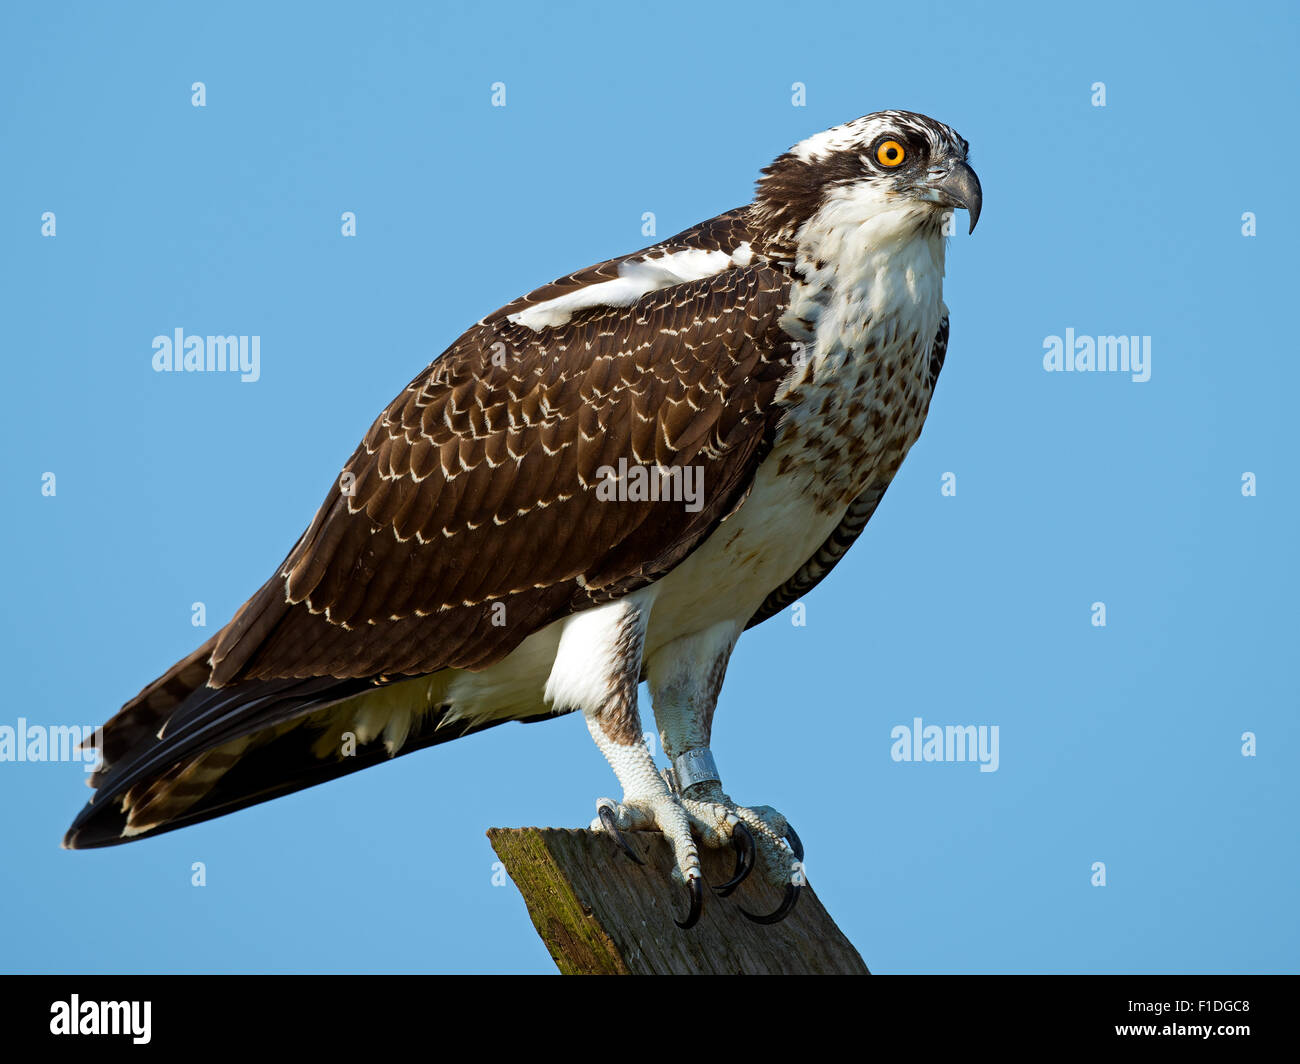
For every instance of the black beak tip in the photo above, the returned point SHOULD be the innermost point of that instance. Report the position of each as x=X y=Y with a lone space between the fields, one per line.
x=960 y=187
x=972 y=196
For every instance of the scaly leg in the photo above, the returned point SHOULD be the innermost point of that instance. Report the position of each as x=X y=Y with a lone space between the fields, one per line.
x=597 y=668
x=685 y=678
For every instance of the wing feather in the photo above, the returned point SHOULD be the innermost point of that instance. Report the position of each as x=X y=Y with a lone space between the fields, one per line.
x=477 y=485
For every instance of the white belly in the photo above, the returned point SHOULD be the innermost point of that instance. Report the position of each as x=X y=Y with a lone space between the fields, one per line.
x=754 y=551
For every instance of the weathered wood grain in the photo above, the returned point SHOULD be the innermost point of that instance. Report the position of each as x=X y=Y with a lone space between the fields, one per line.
x=599 y=913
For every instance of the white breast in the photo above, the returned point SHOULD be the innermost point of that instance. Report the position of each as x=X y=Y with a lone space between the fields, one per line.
x=867 y=309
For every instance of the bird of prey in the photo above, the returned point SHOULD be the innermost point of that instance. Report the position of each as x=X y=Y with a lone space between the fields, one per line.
x=606 y=481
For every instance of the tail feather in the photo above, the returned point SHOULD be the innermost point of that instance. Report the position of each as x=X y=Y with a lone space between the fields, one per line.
x=146 y=713
x=183 y=752
x=151 y=804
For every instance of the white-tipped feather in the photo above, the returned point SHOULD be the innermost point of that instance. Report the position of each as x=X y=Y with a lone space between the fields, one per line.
x=637 y=277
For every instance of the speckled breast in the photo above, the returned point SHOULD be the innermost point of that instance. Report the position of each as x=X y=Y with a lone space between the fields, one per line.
x=856 y=408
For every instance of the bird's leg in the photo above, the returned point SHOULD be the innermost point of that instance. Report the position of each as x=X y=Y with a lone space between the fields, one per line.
x=648 y=804
x=611 y=636
x=685 y=679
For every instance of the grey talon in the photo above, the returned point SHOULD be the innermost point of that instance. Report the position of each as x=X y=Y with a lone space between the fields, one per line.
x=606 y=815
x=743 y=840
x=782 y=911
x=792 y=837
x=696 y=886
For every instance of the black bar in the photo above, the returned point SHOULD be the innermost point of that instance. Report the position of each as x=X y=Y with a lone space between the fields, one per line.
x=332 y=1014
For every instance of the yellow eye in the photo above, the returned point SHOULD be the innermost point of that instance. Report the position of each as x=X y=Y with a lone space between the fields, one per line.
x=890 y=153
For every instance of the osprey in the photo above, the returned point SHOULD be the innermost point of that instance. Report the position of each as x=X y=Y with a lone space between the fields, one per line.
x=606 y=481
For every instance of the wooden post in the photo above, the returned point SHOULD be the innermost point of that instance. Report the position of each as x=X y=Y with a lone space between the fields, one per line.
x=599 y=913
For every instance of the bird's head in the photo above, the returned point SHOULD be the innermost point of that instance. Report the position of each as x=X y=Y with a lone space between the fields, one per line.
x=899 y=168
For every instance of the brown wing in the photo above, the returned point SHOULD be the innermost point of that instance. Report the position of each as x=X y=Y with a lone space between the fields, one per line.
x=476 y=491
x=478 y=485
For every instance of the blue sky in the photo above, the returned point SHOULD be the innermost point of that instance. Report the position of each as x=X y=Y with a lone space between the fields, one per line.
x=1119 y=744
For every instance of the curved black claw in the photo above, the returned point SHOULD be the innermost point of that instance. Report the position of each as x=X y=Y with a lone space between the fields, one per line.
x=743 y=840
x=606 y=815
x=782 y=911
x=792 y=837
x=696 y=887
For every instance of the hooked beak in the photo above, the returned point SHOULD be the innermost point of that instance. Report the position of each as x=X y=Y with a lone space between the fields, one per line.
x=956 y=187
